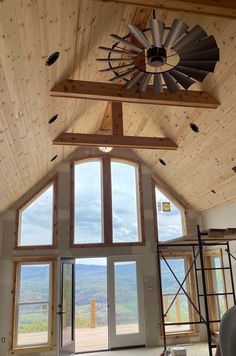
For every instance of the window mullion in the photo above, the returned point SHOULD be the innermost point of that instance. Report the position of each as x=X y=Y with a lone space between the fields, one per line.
x=107 y=201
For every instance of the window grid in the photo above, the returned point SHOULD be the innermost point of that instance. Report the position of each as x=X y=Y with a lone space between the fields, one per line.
x=107 y=228
x=17 y=304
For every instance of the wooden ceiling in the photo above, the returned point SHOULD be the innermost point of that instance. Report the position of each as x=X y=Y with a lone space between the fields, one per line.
x=30 y=30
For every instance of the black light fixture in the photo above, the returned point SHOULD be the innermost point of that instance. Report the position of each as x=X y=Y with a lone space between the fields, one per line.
x=165 y=57
x=52 y=58
x=194 y=127
x=52 y=119
x=162 y=162
x=53 y=158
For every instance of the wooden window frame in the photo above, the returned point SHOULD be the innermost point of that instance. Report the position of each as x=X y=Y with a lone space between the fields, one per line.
x=208 y=254
x=174 y=200
x=188 y=259
x=51 y=345
x=107 y=202
x=54 y=182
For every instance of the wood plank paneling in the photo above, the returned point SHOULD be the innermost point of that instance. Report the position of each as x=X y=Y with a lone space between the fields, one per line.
x=31 y=30
x=225 y=8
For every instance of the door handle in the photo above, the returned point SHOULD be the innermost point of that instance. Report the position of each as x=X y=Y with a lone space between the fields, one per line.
x=60 y=313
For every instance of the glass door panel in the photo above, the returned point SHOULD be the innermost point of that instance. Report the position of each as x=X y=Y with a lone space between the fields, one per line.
x=66 y=307
x=126 y=308
x=67 y=317
x=126 y=298
x=91 y=315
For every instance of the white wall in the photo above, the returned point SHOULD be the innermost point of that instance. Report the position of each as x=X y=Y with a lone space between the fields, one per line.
x=147 y=252
x=220 y=218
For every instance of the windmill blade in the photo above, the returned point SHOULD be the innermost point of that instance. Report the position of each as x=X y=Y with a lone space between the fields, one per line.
x=144 y=82
x=170 y=82
x=124 y=74
x=182 y=79
x=157 y=29
x=157 y=84
x=139 y=35
x=134 y=80
x=208 y=66
x=211 y=55
x=197 y=33
x=127 y=43
x=203 y=45
x=117 y=67
x=194 y=73
x=114 y=59
x=113 y=50
x=178 y=28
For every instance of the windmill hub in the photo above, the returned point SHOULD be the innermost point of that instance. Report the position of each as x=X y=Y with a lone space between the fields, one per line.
x=156 y=56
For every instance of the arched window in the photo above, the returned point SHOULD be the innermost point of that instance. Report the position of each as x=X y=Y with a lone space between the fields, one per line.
x=106 y=202
x=170 y=217
x=36 y=219
x=125 y=212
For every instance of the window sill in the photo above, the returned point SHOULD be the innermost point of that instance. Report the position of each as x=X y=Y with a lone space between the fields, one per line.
x=36 y=247
x=30 y=349
x=118 y=244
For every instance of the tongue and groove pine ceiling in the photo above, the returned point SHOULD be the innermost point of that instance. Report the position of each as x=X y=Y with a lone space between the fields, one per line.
x=30 y=30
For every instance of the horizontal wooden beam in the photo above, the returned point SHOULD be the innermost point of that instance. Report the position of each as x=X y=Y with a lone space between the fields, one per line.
x=223 y=8
x=116 y=92
x=77 y=139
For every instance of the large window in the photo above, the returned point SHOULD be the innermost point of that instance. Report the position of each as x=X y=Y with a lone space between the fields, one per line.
x=125 y=216
x=176 y=304
x=106 y=202
x=36 y=220
x=170 y=217
x=33 y=305
x=88 y=203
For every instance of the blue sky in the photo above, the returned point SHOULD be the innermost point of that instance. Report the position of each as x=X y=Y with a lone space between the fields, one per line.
x=36 y=220
x=169 y=223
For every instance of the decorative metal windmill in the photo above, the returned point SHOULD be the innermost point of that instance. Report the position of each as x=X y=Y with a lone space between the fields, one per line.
x=164 y=57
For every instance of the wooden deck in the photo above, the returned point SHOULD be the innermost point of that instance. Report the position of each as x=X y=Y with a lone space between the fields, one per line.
x=88 y=339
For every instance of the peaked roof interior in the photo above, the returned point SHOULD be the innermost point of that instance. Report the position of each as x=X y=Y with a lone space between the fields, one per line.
x=31 y=30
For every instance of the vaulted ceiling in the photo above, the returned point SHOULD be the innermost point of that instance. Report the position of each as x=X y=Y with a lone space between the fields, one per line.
x=30 y=30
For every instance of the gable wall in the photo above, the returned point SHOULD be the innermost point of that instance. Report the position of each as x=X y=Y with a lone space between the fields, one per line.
x=147 y=252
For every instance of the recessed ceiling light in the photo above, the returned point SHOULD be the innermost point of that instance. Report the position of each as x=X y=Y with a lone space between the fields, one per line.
x=162 y=162
x=194 y=127
x=52 y=119
x=213 y=191
x=53 y=158
x=234 y=169
x=52 y=58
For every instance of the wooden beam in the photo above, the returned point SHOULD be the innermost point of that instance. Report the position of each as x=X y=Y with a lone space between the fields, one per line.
x=116 y=92
x=117 y=119
x=222 y=8
x=113 y=119
x=140 y=19
x=77 y=139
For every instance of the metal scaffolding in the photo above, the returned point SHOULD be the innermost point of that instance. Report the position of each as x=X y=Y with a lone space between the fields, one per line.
x=197 y=248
